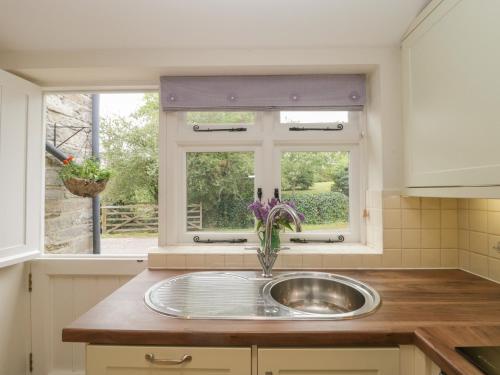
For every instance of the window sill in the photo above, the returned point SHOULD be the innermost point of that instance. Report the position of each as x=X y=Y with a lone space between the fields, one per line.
x=296 y=249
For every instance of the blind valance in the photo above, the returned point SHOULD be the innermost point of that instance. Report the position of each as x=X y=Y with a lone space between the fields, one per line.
x=260 y=93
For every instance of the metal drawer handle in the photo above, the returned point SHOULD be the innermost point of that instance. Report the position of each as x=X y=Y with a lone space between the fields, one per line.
x=150 y=357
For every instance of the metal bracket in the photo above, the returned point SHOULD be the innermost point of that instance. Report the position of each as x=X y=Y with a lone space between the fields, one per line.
x=196 y=128
x=327 y=129
x=77 y=130
x=340 y=238
x=234 y=240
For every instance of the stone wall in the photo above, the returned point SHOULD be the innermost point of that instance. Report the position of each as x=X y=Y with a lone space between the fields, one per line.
x=68 y=218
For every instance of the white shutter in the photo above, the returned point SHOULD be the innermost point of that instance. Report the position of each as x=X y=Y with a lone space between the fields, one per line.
x=21 y=169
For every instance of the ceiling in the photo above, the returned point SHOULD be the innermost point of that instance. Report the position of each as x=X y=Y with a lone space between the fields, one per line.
x=27 y=25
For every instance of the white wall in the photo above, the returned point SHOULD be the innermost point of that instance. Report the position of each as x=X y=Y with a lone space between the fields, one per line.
x=142 y=68
x=14 y=320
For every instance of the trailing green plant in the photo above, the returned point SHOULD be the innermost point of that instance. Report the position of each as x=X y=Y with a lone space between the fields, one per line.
x=90 y=169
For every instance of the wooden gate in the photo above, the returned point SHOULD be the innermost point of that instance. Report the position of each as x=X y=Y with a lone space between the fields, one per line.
x=131 y=218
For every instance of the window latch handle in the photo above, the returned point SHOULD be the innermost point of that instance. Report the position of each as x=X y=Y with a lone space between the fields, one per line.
x=259 y=194
x=277 y=194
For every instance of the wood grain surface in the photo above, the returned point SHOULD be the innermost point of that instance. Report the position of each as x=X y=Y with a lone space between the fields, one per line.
x=434 y=309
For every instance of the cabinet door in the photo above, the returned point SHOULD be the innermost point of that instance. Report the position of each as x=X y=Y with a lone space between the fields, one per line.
x=451 y=96
x=414 y=362
x=321 y=361
x=21 y=169
x=131 y=360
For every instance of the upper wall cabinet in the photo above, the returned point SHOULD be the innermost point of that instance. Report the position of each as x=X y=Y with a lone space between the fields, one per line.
x=21 y=169
x=451 y=86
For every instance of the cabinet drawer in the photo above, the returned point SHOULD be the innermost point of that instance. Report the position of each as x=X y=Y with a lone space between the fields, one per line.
x=146 y=360
x=331 y=361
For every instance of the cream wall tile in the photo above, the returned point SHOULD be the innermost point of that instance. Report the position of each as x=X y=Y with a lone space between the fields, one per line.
x=431 y=257
x=478 y=204
x=391 y=258
x=216 y=260
x=478 y=242
x=464 y=259
x=494 y=269
x=233 y=260
x=410 y=219
x=463 y=219
x=352 y=260
x=410 y=202
x=195 y=260
x=412 y=258
x=479 y=264
x=449 y=219
x=478 y=220
x=463 y=204
x=494 y=222
x=157 y=260
x=392 y=239
x=431 y=238
x=313 y=261
x=392 y=219
x=449 y=238
x=251 y=261
x=332 y=260
x=176 y=261
x=411 y=239
x=449 y=258
x=493 y=242
x=431 y=203
x=372 y=260
x=392 y=201
x=291 y=260
x=493 y=204
x=431 y=219
x=463 y=239
x=449 y=203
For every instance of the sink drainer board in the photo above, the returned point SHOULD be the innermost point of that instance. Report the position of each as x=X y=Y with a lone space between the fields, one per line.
x=246 y=295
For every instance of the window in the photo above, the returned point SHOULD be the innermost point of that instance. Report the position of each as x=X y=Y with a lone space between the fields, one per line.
x=215 y=173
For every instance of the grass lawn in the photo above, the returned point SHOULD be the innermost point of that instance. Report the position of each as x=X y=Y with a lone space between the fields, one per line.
x=130 y=234
x=324 y=227
x=318 y=187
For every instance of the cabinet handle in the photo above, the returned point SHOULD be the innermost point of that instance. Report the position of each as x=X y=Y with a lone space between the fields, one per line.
x=150 y=357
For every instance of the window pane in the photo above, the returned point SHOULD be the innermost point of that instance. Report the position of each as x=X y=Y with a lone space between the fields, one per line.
x=318 y=183
x=220 y=186
x=220 y=118
x=313 y=117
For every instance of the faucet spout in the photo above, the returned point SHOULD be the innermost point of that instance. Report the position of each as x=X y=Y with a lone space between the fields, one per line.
x=267 y=255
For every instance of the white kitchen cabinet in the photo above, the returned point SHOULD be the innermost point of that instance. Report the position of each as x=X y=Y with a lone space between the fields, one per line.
x=131 y=360
x=332 y=361
x=415 y=362
x=451 y=93
x=21 y=169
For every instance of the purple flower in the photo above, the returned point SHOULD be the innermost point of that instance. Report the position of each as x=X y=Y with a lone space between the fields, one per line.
x=261 y=211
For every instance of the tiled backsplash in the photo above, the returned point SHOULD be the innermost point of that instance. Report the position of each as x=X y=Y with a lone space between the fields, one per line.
x=478 y=235
x=413 y=232
x=425 y=230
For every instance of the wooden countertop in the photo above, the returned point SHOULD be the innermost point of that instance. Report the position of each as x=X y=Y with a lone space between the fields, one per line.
x=434 y=309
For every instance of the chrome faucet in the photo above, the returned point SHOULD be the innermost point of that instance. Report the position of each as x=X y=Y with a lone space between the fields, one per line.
x=267 y=256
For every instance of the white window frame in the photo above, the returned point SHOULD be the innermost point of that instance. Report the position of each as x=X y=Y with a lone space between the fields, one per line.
x=267 y=137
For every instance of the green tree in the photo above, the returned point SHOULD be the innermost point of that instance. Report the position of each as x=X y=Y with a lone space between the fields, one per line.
x=222 y=183
x=130 y=150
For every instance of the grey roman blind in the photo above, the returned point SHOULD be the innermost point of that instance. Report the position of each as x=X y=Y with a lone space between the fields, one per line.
x=210 y=93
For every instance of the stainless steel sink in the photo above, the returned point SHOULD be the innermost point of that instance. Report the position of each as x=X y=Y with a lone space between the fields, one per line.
x=322 y=294
x=247 y=295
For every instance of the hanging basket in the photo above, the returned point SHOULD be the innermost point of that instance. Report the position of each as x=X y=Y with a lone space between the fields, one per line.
x=85 y=188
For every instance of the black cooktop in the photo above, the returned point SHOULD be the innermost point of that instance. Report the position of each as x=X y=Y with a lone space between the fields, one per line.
x=486 y=358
